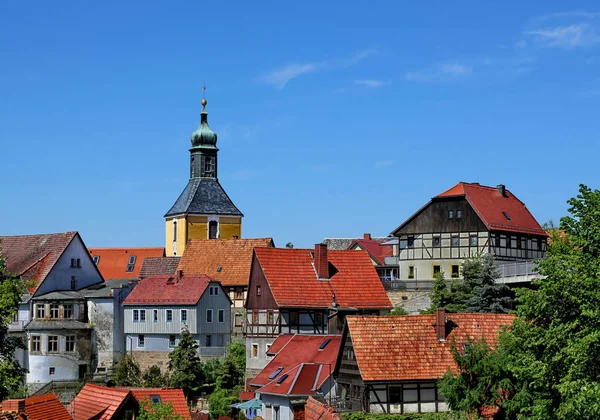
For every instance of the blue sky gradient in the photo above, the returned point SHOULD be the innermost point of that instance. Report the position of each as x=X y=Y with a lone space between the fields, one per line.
x=333 y=120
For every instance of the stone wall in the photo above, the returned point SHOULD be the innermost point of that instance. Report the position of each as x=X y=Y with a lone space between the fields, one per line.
x=411 y=301
x=149 y=358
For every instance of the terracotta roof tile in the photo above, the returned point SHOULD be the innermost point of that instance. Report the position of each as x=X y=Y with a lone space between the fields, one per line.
x=97 y=402
x=165 y=290
x=174 y=396
x=279 y=343
x=33 y=256
x=113 y=262
x=377 y=251
x=45 y=407
x=234 y=256
x=489 y=204
x=155 y=266
x=398 y=348
x=291 y=275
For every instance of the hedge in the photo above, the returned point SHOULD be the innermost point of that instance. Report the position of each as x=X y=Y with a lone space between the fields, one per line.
x=413 y=416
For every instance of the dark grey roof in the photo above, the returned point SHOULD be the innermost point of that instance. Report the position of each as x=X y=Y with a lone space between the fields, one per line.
x=61 y=295
x=341 y=244
x=204 y=196
x=154 y=266
x=37 y=325
x=105 y=289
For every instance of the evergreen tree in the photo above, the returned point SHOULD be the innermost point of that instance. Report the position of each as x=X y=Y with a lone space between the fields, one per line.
x=12 y=374
x=232 y=368
x=185 y=368
x=128 y=372
x=488 y=295
x=154 y=378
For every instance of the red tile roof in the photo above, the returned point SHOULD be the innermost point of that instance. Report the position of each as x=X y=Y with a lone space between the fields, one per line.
x=33 y=256
x=168 y=290
x=156 y=266
x=42 y=407
x=293 y=281
x=246 y=395
x=167 y=395
x=399 y=348
x=298 y=350
x=279 y=343
x=377 y=251
x=113 y=262
x=316 y=410
x=234 y=256
x=98 y=402
x=489 y=205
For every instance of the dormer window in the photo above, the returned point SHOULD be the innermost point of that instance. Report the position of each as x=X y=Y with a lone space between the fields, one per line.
x=96 y=259
x=75 y=263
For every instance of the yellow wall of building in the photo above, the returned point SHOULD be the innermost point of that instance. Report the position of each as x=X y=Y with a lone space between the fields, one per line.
x=196 y=227
x=197 y=230
x=227 y=231
x=181 y=236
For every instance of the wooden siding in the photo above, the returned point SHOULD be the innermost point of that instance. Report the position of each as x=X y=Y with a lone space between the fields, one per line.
x=257 y=278
x=161 y=326
x=214 y=302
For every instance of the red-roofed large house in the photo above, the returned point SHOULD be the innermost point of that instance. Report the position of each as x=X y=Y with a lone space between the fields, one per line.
x=308 y=292
x=391 y=364
x=159 y=307
x=464 y=221
x=123 y=263
x=42 y=407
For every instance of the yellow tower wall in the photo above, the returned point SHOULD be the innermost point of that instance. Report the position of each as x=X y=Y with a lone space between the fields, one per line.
x=181 y=236
x=197 y=227
x=230 y=227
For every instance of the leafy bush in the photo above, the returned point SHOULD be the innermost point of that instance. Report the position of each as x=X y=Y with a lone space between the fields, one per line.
x=412 y=416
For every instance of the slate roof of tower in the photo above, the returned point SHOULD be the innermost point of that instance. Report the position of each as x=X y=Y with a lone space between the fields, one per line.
x=204 y=196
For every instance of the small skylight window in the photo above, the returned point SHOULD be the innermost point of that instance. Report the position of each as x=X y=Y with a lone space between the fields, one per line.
x=324 y=344
x=277 y=372
x=132 y=259
x=155 y=398
x=129 y=268
x=219 y=268
x=96 y=259
x=283 y=378
x=506 y=215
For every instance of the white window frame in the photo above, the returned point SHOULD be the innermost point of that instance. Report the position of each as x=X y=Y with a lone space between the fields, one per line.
x=57 y=343
x=133 y=316
x=155 y=315
x=167 y=313
x=183 y=311
x=142 y=318
x=39 y=343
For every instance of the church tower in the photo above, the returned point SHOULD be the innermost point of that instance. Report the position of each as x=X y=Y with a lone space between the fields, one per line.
x=203 y=210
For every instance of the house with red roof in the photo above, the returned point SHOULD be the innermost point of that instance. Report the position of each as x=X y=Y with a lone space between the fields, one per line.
x=123 y=263
x=466 y=220
x=382 y=255
x=160 y=307
x=42 y=407
x=306 y=291
x=391 y=364
x=301 y=366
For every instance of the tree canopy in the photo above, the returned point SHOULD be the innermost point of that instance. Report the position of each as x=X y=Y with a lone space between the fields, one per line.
x=185 y=368
x=128 y=372
x=157 y=411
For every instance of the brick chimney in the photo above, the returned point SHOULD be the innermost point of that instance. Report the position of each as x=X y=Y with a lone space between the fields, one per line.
x=501 y=189
x=321 y=263
x=179 y=275
x=13 y=406
x=367 y=236
x=440 y=324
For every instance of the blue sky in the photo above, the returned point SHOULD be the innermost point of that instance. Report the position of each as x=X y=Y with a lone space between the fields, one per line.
x=333 y=120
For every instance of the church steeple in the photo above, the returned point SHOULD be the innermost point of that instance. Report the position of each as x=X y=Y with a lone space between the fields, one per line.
x=203 y=154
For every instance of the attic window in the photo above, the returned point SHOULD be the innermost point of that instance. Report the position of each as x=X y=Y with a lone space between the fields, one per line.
x=155 y=398
x=506 y=215
x=219 y=268
x=96 y=259
x=322 y=346
x=131 y=264
x=283 y=378
x=277 y=372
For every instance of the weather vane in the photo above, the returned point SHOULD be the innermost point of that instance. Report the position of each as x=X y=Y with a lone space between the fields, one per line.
x=204 y=94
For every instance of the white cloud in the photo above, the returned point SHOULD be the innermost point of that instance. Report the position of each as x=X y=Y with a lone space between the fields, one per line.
x=372 y=83
x=571 y=36
x=279 y=78
x=445 y=72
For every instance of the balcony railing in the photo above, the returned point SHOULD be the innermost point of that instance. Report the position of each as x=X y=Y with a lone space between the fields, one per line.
x=212 y=351
x=406 y=284
x=514 y=269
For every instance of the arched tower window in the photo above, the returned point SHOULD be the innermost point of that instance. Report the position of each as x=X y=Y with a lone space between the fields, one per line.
x=174 y=230
x=212 y=229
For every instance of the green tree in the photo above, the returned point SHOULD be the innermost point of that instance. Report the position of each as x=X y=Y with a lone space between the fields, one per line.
x=232 y=368
x=220 y=401
x=157 y=411
x=12 y=374
x=487 y=295
x=185 y=368
x=154 y=378
x=128 y=372
x=397 y=311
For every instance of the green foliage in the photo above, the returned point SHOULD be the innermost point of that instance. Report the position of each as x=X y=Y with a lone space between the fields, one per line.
x=397 y=311
x=185 y=368
x=232 y=368
x=12 y=374
x=220 y=401
x=157 y=411
x=412 y=416
x=128 y=372
x=154 y=378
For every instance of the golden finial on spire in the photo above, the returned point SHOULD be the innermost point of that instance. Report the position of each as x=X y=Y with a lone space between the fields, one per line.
x=204 y=102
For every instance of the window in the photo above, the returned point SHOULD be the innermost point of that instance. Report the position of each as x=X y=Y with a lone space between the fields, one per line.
x=239 y=320
x=458 y=214
x=174 y=230
x=239 y=294
x=209 y=166
x=437 y=269
x=506 y=215
x=70 y=343
x=395 y=395
x=54 y=310
x=270 y=318
x=142 y=315
x=454 y=271
x=136 y=315
x=473 y=240
x=411 y=272
x=255 y=317
x=68 y=311
x=214 y=290
x=96 y=259
x=410 y=393
x=41 y=310
x=132 y=260
x=141 y=340
x=184 y=315
x=451 y=214
x=208 y=341
x=427 y=392
x=254 y=354
x=437 y=241
x=275 y=373
x=73 y=283
x=294 y=318
x=53 y=344
x=51 y=370
x=169 y=315
x=131 y=264
x=155 y=399
x=221 y=315
x=258 y=290
x=519 y=246
x=213 y=228
x=211 y=291
x=319 y=319
x=455 y=241
x=209 y=315
x=75 y=262
x=171 y=341
x=36 y=343
x=411 y=242
x=155 y=315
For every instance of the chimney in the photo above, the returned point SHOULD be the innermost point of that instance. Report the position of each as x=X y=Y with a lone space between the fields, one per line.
x=501 y=189
x=367 y=236
x=13 y=406
x=321 y=263
x=440 y=324
x=236 y=236
x=179 y=275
